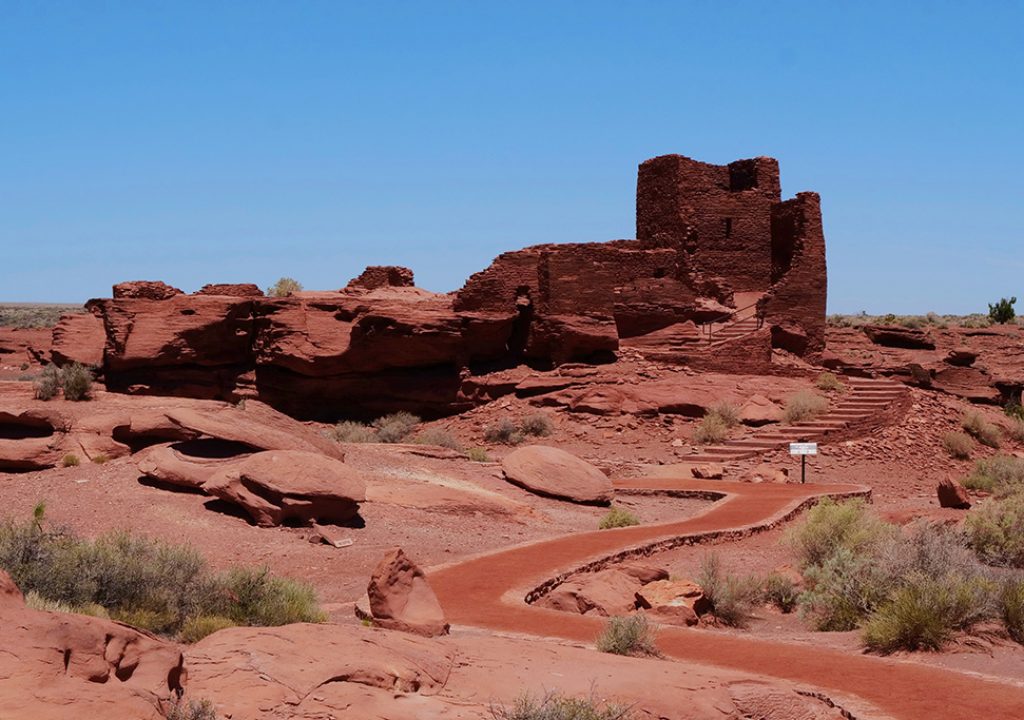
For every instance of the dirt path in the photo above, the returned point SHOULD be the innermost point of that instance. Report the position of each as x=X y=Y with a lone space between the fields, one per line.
x=488 y=591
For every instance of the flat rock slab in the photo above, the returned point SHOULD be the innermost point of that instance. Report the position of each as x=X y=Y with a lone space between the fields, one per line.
x=555 y=473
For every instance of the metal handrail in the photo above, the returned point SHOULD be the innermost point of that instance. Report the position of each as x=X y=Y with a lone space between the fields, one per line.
x=709 y=325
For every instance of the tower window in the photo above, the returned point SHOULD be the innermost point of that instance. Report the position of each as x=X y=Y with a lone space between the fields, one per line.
x=728 y=227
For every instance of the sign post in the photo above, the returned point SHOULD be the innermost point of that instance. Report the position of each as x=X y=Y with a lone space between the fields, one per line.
x=803 y=449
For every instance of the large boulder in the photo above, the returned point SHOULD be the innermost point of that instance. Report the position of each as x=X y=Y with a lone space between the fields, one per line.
x=605 y=593
x=78 y=337
x=555 y=473
x=277 y=486
x=402 y=599
x=952 y=494
x=675 y=602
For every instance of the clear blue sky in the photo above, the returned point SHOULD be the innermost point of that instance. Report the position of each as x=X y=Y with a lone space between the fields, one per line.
x=196 y=142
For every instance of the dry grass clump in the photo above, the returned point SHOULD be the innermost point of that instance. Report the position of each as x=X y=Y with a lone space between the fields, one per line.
x=396 y=427
x=478 y=454
x=618 y=517
x=504 y=432
x=553 y=706
x=348 y=431
x=804 y=405
x=627 y=635
x=732 y=597
x=537 y=425
x=981 y=429
x=715 y=425
x=829 y=382
x=181 y=708
x=70 y=460
x=1001 y=474
x=163 y=588
x=1016 y=429
x=959 y=445
x=284 y=287
x=996 y=531
x=440 y=437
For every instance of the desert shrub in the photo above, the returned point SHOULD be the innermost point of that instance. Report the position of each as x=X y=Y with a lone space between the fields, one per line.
x=1002 y=474
x=1011 y=606
x=618 y=517
x=1002 y=311
x=1014 y=409
x=348 y=431
x=48 y=383
x=101 y=459
x=396 y=427
x=478 y=454
x=804 y=405
x=732 y=596
x=829 y=382
x=726 y=411
x=781 y=592
x=537 y=424
x=36 y=601
x=1016 y=429
x=504 y=432
x=924 y=612
x=843 y=589
x=196 y=628
x=183 y=709
x=996 y=531
x=552 y=706
x=981 y=429
x=958 y=445
x=284 y=287
x=711 y=429
x=70 y=460
x=76 y=381
x=831 y=526
x=439 y=436
x=144 y=582
x=627 y=635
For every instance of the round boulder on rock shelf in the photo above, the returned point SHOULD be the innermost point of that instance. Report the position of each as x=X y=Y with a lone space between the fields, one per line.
x=555 y=473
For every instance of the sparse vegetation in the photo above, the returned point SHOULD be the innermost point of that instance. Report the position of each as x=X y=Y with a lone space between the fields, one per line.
x=804 y=405
x=552 y=706
x=618 y=517
x=627 y=635
x=160 y=587
x=48 y=383
x=829 y=382
x=537 y=425
x=70 y=460
x=440 y=437
x=196 y=628
x=76 y=381
x=1002 y=312
x=181 y=708
x=284 y=287
x=101 y=459
x=35 y=316
x=781 y=592
x=1011 y=606
x=732 y=597
x=996 y=531
x=396 y=427
x=1016 y=430
x=348 y=431
x=1001 y=474
x=710 y=430
x=975 y=424
x=504 y=432
x=478 y=454
x=959 y=445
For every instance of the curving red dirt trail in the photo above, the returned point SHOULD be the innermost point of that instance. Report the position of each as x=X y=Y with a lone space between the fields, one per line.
x=488 y=591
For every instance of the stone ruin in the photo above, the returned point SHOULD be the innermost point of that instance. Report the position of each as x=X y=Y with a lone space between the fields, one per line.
x=722 y=275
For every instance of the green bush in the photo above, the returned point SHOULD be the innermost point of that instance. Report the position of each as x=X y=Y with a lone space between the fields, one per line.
x=48 y=383
x=804 y=405
x=924 y=612
x=440 y=437
x=732 y=597
x=1001 y=474
x=352 y=432
x=832 y=526
x=618 y=517
x=478 y=454
x=196 y=628
x=76 y=381
x=1002 y=311
x=284 y=287
x=829 y=382
x=781 y=592
x=1011 y=605
x=396 y=427
x=627 y=635
x=537 y=425
x=843 y=589
x=145 y=582
x=996 y=531
x=553 y=706
x=184 y=709
x=710 y=430
x=959 y=445
x=504 y=432
x=981 y=429
x=70 y=460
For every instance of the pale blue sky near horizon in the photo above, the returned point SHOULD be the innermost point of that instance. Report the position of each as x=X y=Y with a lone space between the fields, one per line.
x=241 y=141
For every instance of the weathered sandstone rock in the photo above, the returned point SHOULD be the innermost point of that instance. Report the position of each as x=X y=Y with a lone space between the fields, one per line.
x=556 y=473
x=401 y=598
x=952 y=494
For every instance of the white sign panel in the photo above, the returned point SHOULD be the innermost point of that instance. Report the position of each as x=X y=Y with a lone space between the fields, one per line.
x=803 y=448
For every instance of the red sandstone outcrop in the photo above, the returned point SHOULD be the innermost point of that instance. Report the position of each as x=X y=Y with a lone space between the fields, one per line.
x=605 y=593
x=556 y=473
x=53 y=661
x=378 y=276
x=401 y=599
x=78 y=337
x=145 y=290
x=899 y=337
x=674 y=602
x=231 y=289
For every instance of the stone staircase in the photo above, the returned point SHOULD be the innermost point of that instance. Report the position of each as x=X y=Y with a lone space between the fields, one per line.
x=862 y=402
